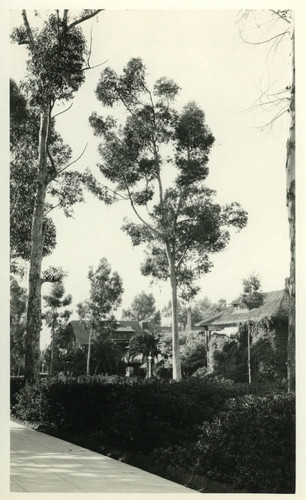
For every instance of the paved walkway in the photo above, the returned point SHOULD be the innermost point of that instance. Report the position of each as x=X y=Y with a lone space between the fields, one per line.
x=42 y=463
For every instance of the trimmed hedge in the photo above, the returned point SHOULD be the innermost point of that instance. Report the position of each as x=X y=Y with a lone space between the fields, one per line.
x=137 y=415
x=210 y=427
x=251 y=444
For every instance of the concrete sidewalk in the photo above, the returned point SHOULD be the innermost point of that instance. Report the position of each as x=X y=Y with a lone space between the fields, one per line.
x=41 y=463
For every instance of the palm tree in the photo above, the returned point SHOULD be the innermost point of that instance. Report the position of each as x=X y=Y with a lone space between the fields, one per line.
x=106 y=355
x=146 y=344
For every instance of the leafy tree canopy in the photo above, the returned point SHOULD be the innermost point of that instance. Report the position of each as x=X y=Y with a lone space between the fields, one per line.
x=143 y=308
x=183 y=217
x=56 y=316
x=199 y=310
x=63 y=192
x=193 y=351
x=24 y=127
x=105 y=295
x=252 y=296
x=54 y=69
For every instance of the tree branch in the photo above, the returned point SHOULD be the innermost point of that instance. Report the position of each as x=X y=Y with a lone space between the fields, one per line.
x=54 y=172
x=67 y=109
x=52 y=164
x=28 y=28
x=96 y=66
x=181 y=258
x=115 y=192
x=52 y=208
x=24 y=42
x=183 y=248
x=264 y=41
x=74 y=161
x=136 y=212
x=90 y=47
x=275 y=118
x=281 y=16
x=85 y=18
x=51 y=279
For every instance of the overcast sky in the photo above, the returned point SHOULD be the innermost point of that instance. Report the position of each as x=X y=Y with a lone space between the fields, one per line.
x=203 y=52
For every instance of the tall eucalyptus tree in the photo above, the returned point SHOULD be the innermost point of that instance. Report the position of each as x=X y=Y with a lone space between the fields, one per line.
x=55 y=71
x=178 y=221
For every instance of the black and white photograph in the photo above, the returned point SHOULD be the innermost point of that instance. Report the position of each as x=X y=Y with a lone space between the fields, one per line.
x=152 y=249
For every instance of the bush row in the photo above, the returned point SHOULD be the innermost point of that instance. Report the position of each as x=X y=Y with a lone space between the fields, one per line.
x=211 y=427
x=137 y=415
x=250 y=444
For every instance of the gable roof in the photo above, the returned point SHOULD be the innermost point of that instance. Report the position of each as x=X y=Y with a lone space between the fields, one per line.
x=79 y=331
x=131 y=324
x=274 y=304
x=210 y=317
x=82 y=336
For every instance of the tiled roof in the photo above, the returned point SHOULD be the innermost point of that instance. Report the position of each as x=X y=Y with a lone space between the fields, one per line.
x=210 y=318
x=125 y=329
x=79 y=331
x=274 y=303
x=134 y=325
x=82 y=336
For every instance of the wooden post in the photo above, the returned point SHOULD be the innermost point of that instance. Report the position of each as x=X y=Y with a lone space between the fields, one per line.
x=88 y=354
x=249 y=351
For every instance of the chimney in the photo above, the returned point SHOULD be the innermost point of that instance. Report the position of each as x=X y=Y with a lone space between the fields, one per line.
x=222 y=303
x=188 y=327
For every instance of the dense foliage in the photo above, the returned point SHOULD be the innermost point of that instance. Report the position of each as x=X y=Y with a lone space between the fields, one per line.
x=251 y=444
x=24 y=128
x=252 y=296
x=143 y=309
x=95 y=314
x=194 y=424
x=56 y=318
x=200 y=309
x=105 y=295
x=17 y=326
x=193 y=351
x=268 y=352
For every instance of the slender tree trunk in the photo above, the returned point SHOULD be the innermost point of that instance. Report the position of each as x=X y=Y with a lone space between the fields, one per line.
x=290 y=192
x=149 y=366
x=88 y=354
x=176 y=359
x=249 y=352
x=52 y=353
x=34 y=300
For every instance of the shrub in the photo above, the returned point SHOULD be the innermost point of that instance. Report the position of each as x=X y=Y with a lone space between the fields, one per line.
x=247 y=440
x=251 y=444
x=137 y=414
x=268 y=352
x=15 y=385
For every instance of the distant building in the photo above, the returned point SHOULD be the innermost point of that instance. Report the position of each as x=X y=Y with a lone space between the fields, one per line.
x=227 y=321
x=122 y=333
x=225 y=324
